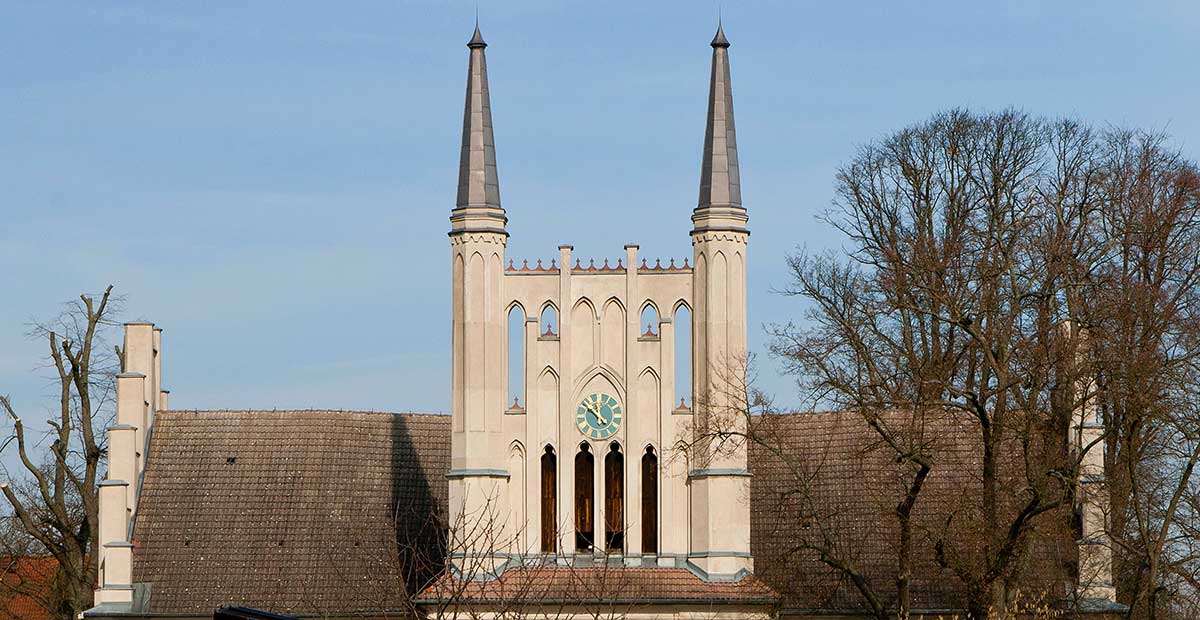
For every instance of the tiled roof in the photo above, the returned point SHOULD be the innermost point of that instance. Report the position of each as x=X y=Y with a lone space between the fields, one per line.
x=286 y=510
x=607 y=585
x=310 y=511
x=25 y=581
x=851 y=477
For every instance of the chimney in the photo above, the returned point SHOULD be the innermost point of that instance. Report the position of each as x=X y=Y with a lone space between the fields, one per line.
x=139 y=394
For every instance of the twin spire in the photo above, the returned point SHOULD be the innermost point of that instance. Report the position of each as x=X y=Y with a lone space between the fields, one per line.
x=720 y=202
x=478 y=206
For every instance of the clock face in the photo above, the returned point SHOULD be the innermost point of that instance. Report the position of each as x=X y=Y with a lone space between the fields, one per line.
x=598 y=416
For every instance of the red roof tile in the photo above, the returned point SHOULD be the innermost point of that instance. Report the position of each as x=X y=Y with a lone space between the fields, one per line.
x=26 y=589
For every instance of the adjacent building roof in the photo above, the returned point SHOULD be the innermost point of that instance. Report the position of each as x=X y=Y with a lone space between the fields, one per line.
x=311 y=512
x=288 y=510
x=839 y=489
x=26 y=587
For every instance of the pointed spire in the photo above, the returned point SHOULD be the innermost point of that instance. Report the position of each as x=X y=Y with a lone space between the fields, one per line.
x=720 y=182
x=478 y=183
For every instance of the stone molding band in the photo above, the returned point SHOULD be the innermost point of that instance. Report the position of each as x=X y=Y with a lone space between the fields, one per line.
x=714 y=233
x=478 y=473
x=719 y=473
x=478 y=235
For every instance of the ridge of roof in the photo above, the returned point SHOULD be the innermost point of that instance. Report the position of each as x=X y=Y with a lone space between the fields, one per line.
x=437 y=414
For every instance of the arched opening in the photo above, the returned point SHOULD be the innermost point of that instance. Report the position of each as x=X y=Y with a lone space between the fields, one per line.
x=548 y=324
x=683 y=355
x=650 y=501
x=516 y=357
x=650 y=322
x=614 y=499
x=585 y=485
x=517 y=493
x=549 y=501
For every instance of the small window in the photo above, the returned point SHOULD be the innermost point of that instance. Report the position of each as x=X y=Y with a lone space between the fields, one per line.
x=649 y=322
x=548 y=323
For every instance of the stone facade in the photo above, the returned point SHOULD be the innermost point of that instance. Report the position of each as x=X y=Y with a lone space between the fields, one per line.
x=600 y=350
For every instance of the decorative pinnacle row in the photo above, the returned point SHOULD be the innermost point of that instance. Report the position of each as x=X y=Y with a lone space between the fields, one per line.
x=720 y=182
x=478 y=182
x=592 y=267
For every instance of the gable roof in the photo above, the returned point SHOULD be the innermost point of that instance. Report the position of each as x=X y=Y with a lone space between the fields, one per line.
x=286 y=510
x=335 y=511
x=840 y=486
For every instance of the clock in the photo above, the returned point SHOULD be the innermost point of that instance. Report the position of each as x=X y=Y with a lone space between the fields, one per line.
x=598 y=416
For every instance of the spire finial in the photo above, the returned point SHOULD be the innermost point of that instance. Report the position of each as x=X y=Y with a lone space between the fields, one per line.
x=477 y=38
x=719 y=40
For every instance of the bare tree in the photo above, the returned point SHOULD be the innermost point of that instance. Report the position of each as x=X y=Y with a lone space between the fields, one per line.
x=54 y=496
x=966 y=238
x=1143 y=319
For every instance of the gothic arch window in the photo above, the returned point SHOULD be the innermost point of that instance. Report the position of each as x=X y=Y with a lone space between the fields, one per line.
x=549 y=501
x=649 y=501
x=649 y=321
x=516 y=357
x=585 y=485
x=614 y=499
x=548 y=324
x=683 y=355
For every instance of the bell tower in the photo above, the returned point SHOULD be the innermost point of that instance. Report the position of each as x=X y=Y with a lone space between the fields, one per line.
x=478 y=476
x=719 y=482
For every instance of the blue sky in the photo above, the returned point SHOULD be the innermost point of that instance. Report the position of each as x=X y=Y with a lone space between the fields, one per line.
x=270 y=182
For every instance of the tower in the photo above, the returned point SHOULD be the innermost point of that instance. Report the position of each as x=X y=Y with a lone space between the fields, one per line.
x=720 y=528
x=478 y=479
x=588 y=467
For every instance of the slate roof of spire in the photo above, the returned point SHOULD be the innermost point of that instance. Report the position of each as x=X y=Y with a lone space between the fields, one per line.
x=720 y=182
x=478 y=183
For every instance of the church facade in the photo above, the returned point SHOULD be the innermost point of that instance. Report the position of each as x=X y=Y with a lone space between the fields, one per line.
x=599 y=412
x=593 y=493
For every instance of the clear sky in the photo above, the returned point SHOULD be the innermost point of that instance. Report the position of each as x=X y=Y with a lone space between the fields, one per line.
x=270 y=182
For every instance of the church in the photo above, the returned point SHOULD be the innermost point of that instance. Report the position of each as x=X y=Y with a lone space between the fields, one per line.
x=589 y=494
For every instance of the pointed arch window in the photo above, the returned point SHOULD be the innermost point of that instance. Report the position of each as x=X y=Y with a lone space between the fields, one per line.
x=649 y=501
x=650 y=321
x=548 y=323
x=516 y=358
x=549 y=501
x=614 y=499
x=683 y=355
x=585 y=485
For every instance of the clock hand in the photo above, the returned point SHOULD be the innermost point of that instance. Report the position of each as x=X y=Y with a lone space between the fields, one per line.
x=596 y=412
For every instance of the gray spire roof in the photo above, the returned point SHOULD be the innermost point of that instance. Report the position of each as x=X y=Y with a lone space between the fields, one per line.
x=720 y=184
x=478 y=183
